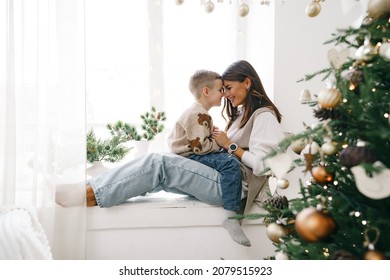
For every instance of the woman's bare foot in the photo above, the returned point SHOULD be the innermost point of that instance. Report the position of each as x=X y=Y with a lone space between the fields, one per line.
x=91 y=199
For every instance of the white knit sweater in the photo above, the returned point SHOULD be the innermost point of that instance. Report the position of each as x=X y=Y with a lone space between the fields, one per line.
x=191 y=133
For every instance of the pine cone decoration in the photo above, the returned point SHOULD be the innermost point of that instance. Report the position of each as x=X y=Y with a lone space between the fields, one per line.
x=324 y=114
x=352 y=156
x=277 y=201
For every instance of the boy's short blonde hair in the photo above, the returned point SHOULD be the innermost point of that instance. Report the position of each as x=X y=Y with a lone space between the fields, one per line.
x=201 y=79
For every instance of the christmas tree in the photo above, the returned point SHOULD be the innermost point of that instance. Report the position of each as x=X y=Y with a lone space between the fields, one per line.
x=343 y=210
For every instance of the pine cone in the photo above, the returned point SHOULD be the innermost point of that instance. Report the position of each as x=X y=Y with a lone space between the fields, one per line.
x=277 y=201
x=324 y=114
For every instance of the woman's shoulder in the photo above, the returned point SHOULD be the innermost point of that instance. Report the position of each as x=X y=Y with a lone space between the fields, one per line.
x=263 y=112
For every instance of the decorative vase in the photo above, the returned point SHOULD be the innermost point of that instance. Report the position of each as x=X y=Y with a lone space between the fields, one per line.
x=142 y=147
x=96 y=168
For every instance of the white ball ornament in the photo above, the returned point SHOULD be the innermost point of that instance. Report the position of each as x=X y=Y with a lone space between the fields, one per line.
x=313 y=9
x=208 y=7
x=281 y=256
x=384 y=51
x=243 y=10
x=328 y=148
x=312 y=148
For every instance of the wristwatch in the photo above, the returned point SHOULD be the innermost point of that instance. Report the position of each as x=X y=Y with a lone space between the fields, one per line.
x=232 y=148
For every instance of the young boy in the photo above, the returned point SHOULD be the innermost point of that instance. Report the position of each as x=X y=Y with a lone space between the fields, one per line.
x=192 y=137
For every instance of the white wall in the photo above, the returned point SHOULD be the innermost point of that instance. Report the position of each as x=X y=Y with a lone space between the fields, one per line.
x=300 y=50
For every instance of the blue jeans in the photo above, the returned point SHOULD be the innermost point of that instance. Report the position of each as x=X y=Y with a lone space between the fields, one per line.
x=155 y=172
x=229 y=168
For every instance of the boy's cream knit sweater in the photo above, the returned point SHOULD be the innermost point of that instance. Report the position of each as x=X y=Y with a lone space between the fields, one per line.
x=192 y=132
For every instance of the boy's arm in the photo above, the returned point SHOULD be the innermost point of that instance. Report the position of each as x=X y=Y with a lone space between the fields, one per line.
x=199 y=127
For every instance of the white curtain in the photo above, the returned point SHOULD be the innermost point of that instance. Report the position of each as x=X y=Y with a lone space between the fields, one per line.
x=42 y=116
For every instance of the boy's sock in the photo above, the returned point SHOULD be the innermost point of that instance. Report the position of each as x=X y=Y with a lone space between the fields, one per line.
x=234 y=229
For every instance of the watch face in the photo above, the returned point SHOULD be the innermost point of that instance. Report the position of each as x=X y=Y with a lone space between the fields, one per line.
x=233 y=147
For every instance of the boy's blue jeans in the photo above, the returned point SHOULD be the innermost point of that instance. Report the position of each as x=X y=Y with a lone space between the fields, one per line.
x=155 y=172
x=229 y=169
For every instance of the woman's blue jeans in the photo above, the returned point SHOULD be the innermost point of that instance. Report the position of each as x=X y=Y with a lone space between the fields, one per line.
x=155 y=172
x=230 y=172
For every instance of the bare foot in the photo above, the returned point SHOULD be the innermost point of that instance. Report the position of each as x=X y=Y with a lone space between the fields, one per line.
x=91 y=199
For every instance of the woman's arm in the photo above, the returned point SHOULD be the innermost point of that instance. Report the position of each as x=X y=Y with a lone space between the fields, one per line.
x=266 y=134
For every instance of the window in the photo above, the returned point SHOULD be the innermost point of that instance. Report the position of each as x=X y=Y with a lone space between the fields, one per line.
x=142 y=53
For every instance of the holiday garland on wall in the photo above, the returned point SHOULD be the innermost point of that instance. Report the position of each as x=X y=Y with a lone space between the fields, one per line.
x=343 y=211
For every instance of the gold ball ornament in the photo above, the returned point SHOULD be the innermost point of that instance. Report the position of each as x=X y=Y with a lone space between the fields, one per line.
x=275 y=231
x=243 y=10
x=208 y=7
x=321 y=175
x=329 y=98
x=378 y=8
x=282 y=183
x=313 y=9
x=374 y=255
x=313 y=225
x=298 y=145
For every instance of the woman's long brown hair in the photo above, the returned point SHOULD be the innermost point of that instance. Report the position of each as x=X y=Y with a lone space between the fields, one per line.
x=256 y=97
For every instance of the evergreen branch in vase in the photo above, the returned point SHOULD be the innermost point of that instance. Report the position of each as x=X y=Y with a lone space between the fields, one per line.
x=110 y=150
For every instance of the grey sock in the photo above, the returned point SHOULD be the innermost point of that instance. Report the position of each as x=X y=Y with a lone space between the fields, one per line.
x=234 y=229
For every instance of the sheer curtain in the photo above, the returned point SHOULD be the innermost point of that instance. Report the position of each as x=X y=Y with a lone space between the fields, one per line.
x=42 y=115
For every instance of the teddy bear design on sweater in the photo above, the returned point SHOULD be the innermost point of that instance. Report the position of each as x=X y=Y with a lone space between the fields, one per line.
x=195 y=144
x=192 y=133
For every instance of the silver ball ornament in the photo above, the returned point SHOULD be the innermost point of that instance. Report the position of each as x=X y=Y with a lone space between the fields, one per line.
x=208 y=7
x=179 y=2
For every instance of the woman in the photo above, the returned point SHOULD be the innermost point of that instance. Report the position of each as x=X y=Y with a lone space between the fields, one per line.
x=253 y=131
x=253 y=128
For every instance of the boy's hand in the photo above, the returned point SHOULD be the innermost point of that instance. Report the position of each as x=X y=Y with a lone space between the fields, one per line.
x=215 y=130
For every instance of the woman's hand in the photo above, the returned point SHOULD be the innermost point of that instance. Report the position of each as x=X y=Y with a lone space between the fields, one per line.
x=220 y=137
